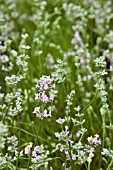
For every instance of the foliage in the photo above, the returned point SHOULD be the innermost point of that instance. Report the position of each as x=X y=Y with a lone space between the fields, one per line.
x=56 y=84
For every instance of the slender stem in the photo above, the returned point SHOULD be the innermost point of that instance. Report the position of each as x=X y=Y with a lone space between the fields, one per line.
x=29 y=133
x=28 y=162
x=109 y=167
x=19 y=141
x=104 y=130
x=89 y=165
x=90 y=101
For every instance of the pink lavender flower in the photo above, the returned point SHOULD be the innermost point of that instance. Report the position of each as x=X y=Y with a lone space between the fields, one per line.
x=62 y=148
x=64 y=135
x=40 y=153
x=78 y=134
x=46 y=94
x=43 y=114
x=73 y=156
x=91 y=150
x=45 y=83
x=42 y=97
x=94 y=140
x=7 y=68
x=28 y=149
x=4 y=58
x=77 y=41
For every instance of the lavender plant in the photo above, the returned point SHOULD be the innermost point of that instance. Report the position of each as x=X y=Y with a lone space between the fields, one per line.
x=56 y=85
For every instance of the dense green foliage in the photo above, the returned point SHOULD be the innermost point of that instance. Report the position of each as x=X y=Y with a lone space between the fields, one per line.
x=56 y=84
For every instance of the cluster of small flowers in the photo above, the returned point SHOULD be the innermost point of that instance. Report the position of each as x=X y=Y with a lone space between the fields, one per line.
x=102 y=19
x=73 y=12
x=59 y=73
x=3 y=135
x=13 y=80
x=12 y=150
x=45 y=113
x=95 y=141
x=13 y=111
x=46 y=94
x=100 y=86
x=21 y=60
x=11 y=96
x=44 y=84
x=39 y=8
x=81 y=53
x=15 y=101
x=78 y=120
x=23 y=45
x=66 y=149
x=107 y=152
x=6 y=64
x=64 y=135
x=14 y=143
x=4 y=58
x=8 y=68
x=100 y=62
x=38 y=154
x=77 y=41
x=77 y=151
x=69 y=101
x=66 y=142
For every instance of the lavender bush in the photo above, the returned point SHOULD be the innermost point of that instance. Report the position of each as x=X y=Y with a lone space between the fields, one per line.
x=56 y=85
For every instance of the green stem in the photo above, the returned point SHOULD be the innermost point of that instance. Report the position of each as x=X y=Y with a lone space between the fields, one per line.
x=19 y=141
x=28 y=162
x=109 y=167
x=90 y=101
x=104 y=130
x=14 y=127
x=89 y=165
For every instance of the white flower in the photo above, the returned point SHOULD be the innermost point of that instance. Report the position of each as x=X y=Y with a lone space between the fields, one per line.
x=24 y=36
x=60 y=121
x=26 y=47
